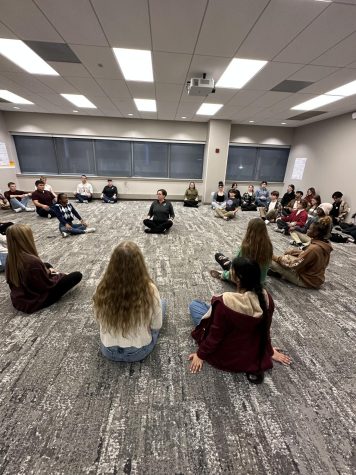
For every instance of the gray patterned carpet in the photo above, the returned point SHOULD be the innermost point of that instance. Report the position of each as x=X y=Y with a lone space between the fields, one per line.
x=66 y=410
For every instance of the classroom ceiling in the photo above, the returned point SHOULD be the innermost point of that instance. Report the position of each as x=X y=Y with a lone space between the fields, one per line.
x=302 y=40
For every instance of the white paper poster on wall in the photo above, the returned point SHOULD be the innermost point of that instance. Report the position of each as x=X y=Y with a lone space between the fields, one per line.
x=298 y=169
x=4 y=158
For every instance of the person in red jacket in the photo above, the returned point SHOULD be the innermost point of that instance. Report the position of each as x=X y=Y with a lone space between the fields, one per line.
x=233 y=333
x=297 y=218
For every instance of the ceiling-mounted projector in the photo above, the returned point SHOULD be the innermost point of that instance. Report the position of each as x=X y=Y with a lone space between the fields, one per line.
x=200 y=86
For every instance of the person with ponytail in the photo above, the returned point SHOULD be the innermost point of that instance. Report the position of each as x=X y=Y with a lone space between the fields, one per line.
x=306 y=268
x=233 y=333
x=33 y=283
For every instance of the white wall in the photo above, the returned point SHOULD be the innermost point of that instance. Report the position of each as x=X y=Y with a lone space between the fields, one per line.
x=330 y=149
x=6 y=173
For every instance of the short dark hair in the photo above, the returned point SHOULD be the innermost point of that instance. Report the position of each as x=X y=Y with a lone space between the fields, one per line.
x=60 y=196
x=221 y=183
x=164 y=193
x=275 y=193
x=10 y=183
x=337 y=194
x=305 y=204
x=292 y=186
x=83 y=175
x=39 y=182
x=264 y=181
x=109 y=179
x=300 y=192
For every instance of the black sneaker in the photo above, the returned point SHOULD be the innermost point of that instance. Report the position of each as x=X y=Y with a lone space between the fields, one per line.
x=273 y=273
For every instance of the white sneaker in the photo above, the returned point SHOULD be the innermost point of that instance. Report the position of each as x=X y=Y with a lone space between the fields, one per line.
x=85 y=201
x=77 y=201
x=266 y=221
x=18 y=210
x=29 y=209
x=90 y=230
x=65 y=234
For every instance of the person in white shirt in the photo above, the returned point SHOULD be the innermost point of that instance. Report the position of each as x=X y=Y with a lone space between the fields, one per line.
x=47 y=186
x=84 y=192
x=269 y=213
x=127 y=306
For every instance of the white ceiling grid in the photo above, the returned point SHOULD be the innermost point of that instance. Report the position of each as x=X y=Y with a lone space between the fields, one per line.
x=303 y=40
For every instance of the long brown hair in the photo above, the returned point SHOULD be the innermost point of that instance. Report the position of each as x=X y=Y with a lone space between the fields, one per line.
x=256 y=244
x=19 y=242
x=124 y=298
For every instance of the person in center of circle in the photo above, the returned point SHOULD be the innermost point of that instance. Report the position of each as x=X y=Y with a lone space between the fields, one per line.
x=191 y=198
x=219 y=197
x=84 y=192
x=233 y=333
x=65 y=212
x=127 y=306
x=109 y=193
x=262 y=195
x=256 y=245
x=33 y=284
x=232 y=206
x=160 y=215
x=43 y=200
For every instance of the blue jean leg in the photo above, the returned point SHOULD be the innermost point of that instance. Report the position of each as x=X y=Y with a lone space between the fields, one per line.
x=15 y=203
x=197 y=310
x=76 y=229
x=132 y=354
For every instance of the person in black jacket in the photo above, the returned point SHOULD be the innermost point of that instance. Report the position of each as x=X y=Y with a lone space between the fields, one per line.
x=289 y=196
x=160 y=215
x=109 y=193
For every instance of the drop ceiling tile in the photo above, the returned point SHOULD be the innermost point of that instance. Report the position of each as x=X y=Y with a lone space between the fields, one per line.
x=339 y=78
x=58 y=84
x=126 y=107
x=274 y=29
x=245 y=97
x=333 y=25
x=166 y=110
x=92 y=56
x=168 y=92
x=340 y=55
x=9 y=66
x=226 y=24
x=269 y=99
x=182 y=20
x=70 y=69
x=142 y=90
x=170 y=67
x=86 y=86
x=75 y=21
x=312 y=73
x=6 y=33
x=213 y=66
x=27 y=81
x=26 y=20
x=104 y=104
x=271 y=75
x=126 y=22
x=115 y=88
x=186 y=109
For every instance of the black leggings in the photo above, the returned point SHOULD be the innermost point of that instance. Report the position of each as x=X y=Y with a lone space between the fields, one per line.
x=157 y=226
x=62 y=287
x=191 y=203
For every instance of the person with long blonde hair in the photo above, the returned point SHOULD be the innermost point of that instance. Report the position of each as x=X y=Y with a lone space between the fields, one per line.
x=127 y=306
x=33 y=283
x=256 y=245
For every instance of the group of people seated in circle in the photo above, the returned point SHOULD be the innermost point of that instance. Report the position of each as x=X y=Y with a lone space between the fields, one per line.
x=233 y=331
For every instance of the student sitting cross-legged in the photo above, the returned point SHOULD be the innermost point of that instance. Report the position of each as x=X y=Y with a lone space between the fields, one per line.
x=33 y=283
x=127 y=306
x=233 y=333
x=43 y=200
x=269 y=213
x=66 y=213
x=160 y=215
x=191 y=198
x=231 y=207
x=109 y=194
x=297 y=218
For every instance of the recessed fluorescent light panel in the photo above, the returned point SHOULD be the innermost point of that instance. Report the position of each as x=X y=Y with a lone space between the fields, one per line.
x=24 y=57
x=346 y=90
x=135 y=64
x=79 y=101
x=209 y=109
x=14 y=98
x=240 y=72
x=146 y=105
x=318 y=101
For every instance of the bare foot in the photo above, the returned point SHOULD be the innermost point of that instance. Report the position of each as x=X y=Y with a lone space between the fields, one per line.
x=216 y=274
x=281 y=357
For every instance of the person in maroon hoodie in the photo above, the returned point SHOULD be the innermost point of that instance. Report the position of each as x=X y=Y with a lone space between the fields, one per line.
x=233 y=333
x=297 y=218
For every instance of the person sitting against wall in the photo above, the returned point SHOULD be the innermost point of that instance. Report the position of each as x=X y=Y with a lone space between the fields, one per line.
x=160 y=215
x=109 y=193
x=262 y=195
x=33 y=284
x=314 y=204
x=293 y=204
x=248 y=201
x=219 y=197
x=299 y=236
x=306 y=268
x=233 y=333
x=237 y=191
x=65 y=212
x=127 y=306
x=18 y=199
x=310 y=195
x=43 y=200
x=3 y=245
x=191 y=198
x=270 y=213
x=340 y=209
x=47 y=186
x=297 y=218
x=4 y=202
x=288 y=196
x=232 y=206
x=84 y=192
x=349 y=229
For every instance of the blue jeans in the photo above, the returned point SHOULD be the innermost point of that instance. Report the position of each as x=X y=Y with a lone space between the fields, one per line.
x=76 y=229
x=3 y=257
x=82 y=198
x=15 y=203
x=197 y=310
x=132 y=354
